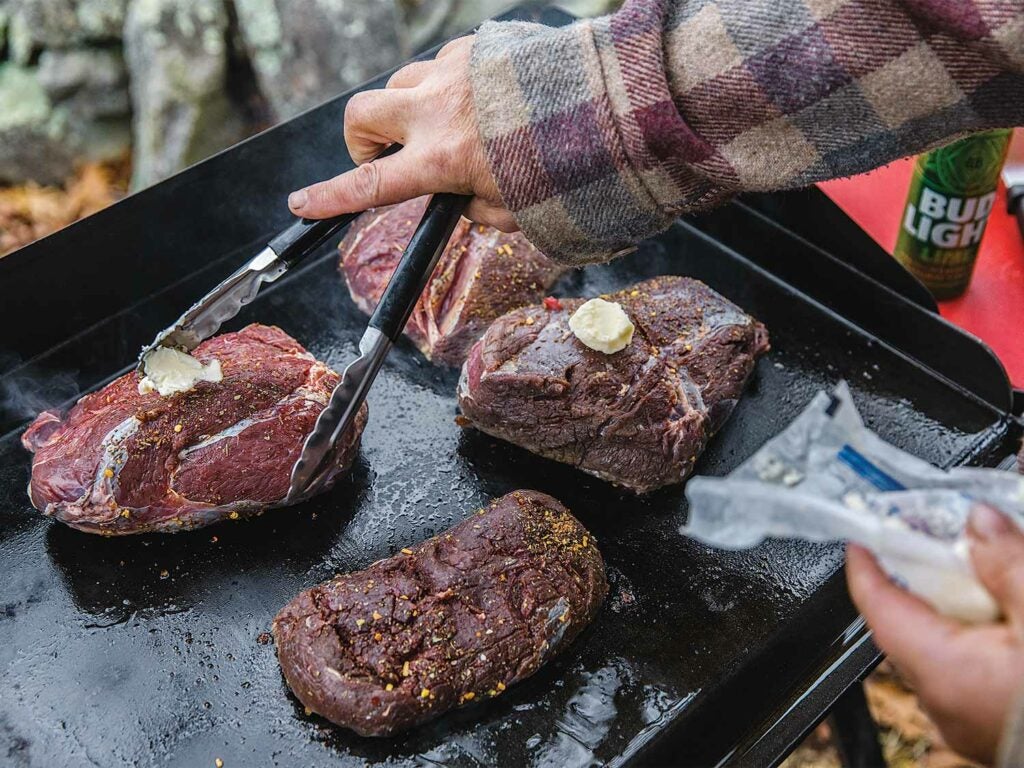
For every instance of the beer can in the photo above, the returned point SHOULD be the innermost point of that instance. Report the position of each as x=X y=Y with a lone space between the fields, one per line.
x=951 y=196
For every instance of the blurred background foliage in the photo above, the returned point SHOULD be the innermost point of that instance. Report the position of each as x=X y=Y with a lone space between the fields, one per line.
x=102 y=97
x=172 y=81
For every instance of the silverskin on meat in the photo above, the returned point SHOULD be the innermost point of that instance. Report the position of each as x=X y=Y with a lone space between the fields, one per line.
x=120 y=462
x=638 y=418
x=450 y=622
x=482 y=274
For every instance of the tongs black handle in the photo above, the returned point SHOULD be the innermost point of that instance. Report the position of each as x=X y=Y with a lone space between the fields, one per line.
x=417 y=264
x=303 y=237
x=396 y=304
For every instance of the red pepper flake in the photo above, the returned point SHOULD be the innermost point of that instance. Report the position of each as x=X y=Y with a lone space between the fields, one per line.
x=551 y=303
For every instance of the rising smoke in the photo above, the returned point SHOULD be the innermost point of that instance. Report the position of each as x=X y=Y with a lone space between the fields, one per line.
x=27 y=389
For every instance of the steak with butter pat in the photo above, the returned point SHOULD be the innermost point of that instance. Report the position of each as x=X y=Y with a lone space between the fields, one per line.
x=121 y=462
x=638 y=418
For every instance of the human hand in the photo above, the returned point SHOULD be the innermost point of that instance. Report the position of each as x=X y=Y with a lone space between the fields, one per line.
x=967 y=677
x=427 y=107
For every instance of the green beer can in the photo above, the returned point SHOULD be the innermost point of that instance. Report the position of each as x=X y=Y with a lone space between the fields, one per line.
x=951 y=195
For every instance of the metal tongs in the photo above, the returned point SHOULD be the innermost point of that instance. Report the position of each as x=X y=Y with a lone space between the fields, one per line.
x=285 y=251
x=386 y=324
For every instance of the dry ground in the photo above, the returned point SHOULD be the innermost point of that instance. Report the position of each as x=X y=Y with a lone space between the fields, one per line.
x=909 y=739
x=30 y=212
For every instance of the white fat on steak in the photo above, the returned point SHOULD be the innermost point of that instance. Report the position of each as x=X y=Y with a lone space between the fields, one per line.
x=169 y=372
x=113 y=456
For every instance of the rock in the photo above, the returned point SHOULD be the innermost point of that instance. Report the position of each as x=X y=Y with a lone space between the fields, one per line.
x=306 y=51
x=41 y=140
x=40 y=24
x=425 y=23
x=37 y=24
x=583 y=8
x=103 y=138
x=178 y=56
x=5 y=18
x=91 y=83
x=32 y=137
x=101 y=19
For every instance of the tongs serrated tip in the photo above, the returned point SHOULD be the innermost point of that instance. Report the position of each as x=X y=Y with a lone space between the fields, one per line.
x=312 y=469
x=205 y=317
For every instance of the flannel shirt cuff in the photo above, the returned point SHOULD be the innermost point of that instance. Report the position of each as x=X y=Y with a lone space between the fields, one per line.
x=586 y=165
x=599 y=133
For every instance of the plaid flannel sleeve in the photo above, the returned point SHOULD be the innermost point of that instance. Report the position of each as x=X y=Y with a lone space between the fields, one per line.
x=601 y=133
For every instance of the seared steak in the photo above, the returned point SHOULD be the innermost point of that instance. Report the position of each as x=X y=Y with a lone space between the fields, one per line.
x=120 y=462
x=638 y=418
x=482 y=274
x=455 y=620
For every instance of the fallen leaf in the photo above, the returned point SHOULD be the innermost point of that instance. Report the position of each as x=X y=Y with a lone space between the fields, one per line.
x=29 y=212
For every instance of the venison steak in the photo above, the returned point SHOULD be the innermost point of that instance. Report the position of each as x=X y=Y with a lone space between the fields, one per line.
x=454 y=620
x=482 y=274
x=120 y=462
x=638 y=418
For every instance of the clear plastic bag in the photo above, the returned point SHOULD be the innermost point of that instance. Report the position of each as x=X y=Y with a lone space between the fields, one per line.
x=827 y=477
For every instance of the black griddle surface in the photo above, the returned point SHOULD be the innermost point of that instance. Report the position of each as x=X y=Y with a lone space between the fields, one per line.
x=147 y=649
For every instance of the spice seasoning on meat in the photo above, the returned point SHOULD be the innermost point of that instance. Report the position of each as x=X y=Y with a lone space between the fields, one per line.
x=526 y=546
x=634 y=418
x=192 y=476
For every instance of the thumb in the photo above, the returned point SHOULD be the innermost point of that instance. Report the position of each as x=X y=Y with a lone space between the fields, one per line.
x=392 y=179
x=997 y=554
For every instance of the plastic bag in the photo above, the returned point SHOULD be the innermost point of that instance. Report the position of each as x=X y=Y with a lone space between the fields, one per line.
x=827 y=477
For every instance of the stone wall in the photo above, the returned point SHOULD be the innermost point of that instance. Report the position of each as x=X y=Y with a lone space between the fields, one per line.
x=176 y=80
x=63 y=86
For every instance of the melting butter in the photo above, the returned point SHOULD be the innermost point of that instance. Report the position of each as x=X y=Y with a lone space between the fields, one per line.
x=169 y=372
x=602 y=325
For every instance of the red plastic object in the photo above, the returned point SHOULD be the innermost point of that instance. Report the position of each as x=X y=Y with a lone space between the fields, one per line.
x=993 y=306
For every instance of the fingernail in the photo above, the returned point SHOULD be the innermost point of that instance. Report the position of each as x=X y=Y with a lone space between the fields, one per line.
x=297 y=200
x=986 y=523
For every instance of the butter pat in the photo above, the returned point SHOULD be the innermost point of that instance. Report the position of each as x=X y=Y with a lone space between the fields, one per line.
x=602 y=325
x=169 y=371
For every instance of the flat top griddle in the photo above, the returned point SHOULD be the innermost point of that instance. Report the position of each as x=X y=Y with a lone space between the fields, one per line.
x=152 y=649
